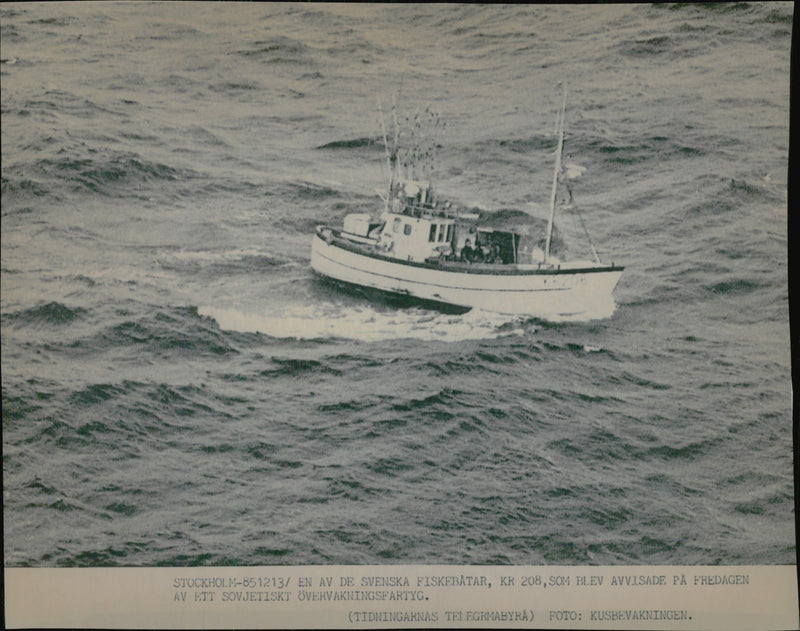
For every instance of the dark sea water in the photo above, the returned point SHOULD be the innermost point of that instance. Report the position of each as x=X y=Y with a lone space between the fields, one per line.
x=178 y=388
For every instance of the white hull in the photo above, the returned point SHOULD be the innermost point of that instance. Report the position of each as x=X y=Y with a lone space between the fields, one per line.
x=556 y=294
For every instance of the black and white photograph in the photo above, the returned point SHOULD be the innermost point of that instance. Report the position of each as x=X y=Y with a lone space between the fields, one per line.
x=333 y=284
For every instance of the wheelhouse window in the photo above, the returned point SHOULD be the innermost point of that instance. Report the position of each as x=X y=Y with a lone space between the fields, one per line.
x=432 y=235
x=449 y=232
x=441 y=232
x=407 y=229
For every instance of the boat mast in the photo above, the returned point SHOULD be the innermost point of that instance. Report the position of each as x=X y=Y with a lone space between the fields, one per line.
x=388 y=157
x=395 y=148
x=555 y=177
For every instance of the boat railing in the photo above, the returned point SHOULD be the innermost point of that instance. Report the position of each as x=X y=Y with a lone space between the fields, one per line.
x=425 y=211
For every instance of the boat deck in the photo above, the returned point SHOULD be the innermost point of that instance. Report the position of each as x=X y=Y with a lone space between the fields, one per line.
x=370 y=249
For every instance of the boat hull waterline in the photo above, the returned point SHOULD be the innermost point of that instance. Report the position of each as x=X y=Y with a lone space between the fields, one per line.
x=574 y=292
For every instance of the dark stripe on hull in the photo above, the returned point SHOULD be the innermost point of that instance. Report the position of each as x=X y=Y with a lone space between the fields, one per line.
x=392 y=299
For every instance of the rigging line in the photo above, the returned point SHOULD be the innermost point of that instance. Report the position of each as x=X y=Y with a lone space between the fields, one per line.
x=588 y=237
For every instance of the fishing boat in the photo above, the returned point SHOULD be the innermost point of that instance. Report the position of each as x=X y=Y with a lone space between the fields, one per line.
x=419 y=247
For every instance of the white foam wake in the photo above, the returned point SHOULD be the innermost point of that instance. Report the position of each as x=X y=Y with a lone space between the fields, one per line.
x=366 y=324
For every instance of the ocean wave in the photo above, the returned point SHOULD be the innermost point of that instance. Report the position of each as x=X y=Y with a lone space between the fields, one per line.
x=777 y=16
x=97 y=393
x=449 y=366
x=220 y=263
x=354 y=143
x=109 y=176
x=23 y=187
x=713 y=7
x=163 y=340
x=180 y=331
x=60 y=21
x=443 y=399
x=50 y=313
x=391 y=467
x=735 y=287
x=686 y=452
x=129 y=412
x=724 y=196
x=354 y=46
x=236 y=86
x=278 y=50
x=296 y=367
x=525 y=146
x=10 y=33
x=96 y=175
x=17 y=408
x=652 y=46
x=656 y=148
x=312 y=190
x=353 y=405
x=60 y=102
x=348 y=487
x=203 y=137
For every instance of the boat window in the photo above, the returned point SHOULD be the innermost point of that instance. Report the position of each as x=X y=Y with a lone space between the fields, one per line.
x=407 y=229
x=432 y=236
x=396 y=224
x=449 y=232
